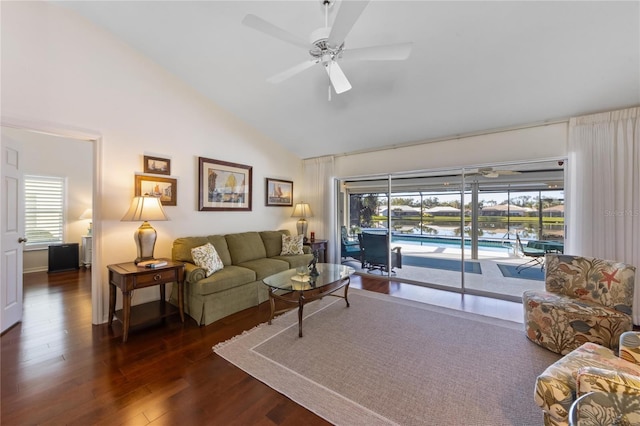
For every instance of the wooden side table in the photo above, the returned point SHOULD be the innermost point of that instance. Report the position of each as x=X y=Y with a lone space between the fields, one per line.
x=321 y=246
x=129 y=277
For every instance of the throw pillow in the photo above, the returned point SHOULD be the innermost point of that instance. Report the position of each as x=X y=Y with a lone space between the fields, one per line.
x=207 y=258
x=291 y=244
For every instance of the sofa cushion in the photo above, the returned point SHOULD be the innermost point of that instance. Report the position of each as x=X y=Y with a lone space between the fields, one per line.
x=291 y=244
x=245 y=246
x=295 y=261
x=219 y=242
x=207 y=258
x=181 y=249
x=561 y=324
x=273 y=241
x=265 y=267
x=229 y=277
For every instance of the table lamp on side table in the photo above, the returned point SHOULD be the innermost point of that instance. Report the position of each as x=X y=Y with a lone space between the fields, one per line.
x=145 y=208
x=303 y=211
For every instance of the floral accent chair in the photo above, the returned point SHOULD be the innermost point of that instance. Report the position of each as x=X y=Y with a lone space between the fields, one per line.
x=586 y=300
x=593 y=368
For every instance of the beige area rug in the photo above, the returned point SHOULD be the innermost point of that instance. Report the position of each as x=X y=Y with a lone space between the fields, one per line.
x=386 y=360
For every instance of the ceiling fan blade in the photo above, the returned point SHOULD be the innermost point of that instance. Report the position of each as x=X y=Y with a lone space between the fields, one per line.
x=338 y=79
x=348 y=14
x=390 y=52
x=291 y=72
x=268 y=28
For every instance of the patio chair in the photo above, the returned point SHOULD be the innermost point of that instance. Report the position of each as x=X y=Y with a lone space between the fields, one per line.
x=536 y=255
x=374 y=253
x=349 y=246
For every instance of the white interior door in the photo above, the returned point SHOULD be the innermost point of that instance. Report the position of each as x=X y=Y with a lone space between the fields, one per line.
x=12 y=217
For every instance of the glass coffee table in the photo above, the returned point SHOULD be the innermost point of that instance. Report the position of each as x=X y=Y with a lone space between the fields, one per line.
x=294 y=288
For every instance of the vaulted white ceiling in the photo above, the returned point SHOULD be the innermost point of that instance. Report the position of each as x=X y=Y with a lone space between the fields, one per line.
x=475 y=65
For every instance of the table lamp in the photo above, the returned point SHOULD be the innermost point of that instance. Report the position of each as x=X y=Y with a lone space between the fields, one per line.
x=87 y=214
x=303 y=211
x=145 y=208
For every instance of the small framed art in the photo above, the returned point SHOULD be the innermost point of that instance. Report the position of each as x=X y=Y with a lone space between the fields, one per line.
x=279 y=192
x=157 y=165
x=165 y=188
x=223 y=186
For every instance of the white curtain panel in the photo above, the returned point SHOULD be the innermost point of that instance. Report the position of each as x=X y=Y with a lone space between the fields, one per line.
x=603 y=189
x=318 y=192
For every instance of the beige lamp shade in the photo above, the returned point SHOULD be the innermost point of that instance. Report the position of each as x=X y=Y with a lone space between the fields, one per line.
x=145 y=208
x=87 y=214
x=302 y=210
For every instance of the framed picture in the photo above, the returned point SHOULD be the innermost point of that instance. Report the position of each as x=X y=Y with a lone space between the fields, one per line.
x=223 y=185
x=279 y=192
x=156 y=165
x=165 y=188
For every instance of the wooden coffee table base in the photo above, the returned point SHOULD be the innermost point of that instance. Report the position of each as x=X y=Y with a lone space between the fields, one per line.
x=302 y=297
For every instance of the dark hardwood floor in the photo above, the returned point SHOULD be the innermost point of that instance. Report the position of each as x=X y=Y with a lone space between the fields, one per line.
x=57 y=368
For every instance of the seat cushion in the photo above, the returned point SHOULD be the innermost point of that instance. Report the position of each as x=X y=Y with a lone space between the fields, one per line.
x=295 y=260
x=265 y=267
x=561 y=324
x=555 y=388
x=229 y=277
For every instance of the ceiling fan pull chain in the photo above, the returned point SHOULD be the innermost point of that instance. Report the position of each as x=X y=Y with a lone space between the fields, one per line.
x=329 y=87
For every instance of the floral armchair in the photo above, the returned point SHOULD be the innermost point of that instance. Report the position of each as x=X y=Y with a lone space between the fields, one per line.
x=613 y=383
x=586 y=300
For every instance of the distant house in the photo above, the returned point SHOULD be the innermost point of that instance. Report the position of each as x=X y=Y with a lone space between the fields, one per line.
x=443 y=211
x=506 y=209
x=554 y=211
x=399 y=211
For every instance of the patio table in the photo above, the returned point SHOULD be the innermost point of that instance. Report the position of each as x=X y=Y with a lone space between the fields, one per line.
x=548 y=246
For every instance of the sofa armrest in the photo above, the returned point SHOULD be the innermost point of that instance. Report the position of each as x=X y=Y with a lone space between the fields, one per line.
x=193 y=273
x=595 y=379
x=630 y=346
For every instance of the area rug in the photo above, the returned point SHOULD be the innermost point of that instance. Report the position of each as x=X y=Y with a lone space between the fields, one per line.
x=509 y=271
x=386 y=360
x=447 y=264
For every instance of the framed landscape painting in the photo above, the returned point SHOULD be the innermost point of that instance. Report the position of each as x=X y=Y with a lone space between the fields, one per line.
x=157 y=165
x=279 y=192
x=223 y=186
x=164 y=188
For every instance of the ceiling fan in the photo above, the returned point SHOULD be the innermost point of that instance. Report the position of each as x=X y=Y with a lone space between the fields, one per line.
x=327 y=44
x=490 y=172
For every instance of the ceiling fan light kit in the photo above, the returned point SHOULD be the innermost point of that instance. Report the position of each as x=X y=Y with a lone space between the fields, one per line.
x=327 y=44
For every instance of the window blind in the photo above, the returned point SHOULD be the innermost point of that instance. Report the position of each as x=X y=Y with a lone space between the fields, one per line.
x=44 y=210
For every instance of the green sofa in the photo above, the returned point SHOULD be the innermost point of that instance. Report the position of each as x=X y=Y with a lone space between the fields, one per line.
x=248 y=258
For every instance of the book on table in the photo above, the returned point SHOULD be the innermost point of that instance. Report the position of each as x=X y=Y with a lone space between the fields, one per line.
x=153 y=264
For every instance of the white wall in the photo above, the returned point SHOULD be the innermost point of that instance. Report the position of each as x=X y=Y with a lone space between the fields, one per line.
x=58 y=68
x=48 y=155
x=538 y=142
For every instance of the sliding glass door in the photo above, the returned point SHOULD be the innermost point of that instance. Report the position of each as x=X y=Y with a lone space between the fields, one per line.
x=458 y=229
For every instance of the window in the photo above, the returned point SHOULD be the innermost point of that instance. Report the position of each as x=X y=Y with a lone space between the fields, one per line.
x=44 y=210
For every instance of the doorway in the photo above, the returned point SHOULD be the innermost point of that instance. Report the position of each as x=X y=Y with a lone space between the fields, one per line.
x=76 y=154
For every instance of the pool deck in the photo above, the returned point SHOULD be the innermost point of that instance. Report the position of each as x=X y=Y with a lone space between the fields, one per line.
x=490 y=281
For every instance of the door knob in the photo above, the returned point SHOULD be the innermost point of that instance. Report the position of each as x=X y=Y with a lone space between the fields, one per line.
x=22 y=240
